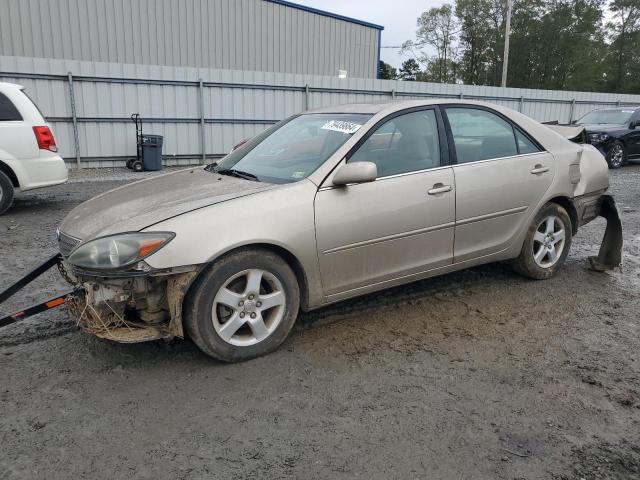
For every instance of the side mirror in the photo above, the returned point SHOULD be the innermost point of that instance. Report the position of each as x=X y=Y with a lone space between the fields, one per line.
x=356 y=172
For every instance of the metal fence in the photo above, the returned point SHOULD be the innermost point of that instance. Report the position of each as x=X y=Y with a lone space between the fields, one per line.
x=202 y=113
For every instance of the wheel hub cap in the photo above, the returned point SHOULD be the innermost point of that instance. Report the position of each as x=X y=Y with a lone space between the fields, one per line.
x=248 y=307
x=548 y=241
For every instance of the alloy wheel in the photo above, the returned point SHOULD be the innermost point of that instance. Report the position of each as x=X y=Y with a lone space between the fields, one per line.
x=548 y=241
x=617 y=155
x=248 y=307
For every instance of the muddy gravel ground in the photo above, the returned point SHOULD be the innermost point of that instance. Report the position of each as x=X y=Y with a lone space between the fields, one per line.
x=474 y=375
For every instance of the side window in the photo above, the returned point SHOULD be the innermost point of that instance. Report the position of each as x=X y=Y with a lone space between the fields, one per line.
x=480 y=135
x=524 y=144
x=8 y=111
x=406 y=143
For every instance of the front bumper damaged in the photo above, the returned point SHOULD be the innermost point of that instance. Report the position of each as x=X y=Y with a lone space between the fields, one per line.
x=131 y=308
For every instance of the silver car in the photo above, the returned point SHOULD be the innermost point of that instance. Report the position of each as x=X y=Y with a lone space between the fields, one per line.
x=324 y=206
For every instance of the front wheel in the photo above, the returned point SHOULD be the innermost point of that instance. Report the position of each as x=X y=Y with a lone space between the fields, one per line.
x=6 y=193
x=243 y=306
x=546 y=244
x=617 y=155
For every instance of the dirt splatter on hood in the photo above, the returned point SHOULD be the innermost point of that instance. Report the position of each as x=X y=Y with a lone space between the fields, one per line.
x=144 y=203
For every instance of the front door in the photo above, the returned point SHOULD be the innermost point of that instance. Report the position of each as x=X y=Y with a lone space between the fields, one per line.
x=399 y=225
x=632 y=139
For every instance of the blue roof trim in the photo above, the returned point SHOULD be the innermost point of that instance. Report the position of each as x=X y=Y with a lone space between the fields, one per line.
x=378 y=57
x=326 y=14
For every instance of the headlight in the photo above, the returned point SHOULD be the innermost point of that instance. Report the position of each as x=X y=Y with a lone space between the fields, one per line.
x=595 y=138
x=119 y=251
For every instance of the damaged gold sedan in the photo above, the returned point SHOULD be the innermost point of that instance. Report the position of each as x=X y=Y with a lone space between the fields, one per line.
x=324 y=206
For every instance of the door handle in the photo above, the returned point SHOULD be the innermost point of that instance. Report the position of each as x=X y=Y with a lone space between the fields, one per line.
x=439 y=188
x=538 y=169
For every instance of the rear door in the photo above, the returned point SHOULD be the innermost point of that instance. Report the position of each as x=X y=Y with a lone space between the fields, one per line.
x=500 y=173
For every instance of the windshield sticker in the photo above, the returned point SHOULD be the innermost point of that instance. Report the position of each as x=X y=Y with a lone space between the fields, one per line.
x=341 y=126
x=297 y=175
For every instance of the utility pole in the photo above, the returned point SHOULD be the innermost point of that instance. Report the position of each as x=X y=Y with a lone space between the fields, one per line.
x=507 y=34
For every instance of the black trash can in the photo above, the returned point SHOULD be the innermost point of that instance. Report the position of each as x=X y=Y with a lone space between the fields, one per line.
x=152 y=152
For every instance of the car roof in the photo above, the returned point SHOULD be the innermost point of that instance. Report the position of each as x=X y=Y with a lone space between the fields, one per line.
x=373 y=108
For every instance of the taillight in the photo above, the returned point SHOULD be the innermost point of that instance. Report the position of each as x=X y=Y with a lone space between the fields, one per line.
x=45 y=139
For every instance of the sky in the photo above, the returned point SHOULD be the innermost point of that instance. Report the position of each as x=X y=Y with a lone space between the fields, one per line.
x=398 y=17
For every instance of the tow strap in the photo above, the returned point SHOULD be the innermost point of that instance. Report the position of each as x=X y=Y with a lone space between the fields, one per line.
x=23 y=282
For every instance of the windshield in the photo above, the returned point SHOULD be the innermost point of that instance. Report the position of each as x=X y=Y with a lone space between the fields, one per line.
x=616 y=117
x=292 y=149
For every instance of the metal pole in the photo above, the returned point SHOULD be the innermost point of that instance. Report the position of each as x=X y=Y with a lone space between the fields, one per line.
x=74 y=118
x=461 y=96
x=306 y=97
x=521 y=105
x=393 y=93
x=507 y=34
x=202 y=131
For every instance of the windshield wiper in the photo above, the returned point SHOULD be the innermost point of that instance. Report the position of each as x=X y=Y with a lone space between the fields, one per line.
x=238 y=173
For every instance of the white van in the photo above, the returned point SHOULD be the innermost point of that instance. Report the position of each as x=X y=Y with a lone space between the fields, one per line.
x=28 y=151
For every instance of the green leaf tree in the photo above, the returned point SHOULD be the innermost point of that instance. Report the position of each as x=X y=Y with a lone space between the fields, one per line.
x=387 y=72
x=409 y=70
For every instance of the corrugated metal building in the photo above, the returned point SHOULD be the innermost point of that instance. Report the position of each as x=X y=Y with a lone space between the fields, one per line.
x=249 y=35
x=206 y=74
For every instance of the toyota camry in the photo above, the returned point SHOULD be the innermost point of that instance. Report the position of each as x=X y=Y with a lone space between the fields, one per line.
x=324 y=206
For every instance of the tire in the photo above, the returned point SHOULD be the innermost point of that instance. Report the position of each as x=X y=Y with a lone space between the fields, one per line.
x=222 y=297
x=536 y=260
x=6 y=193
x=137 y=166
x=130 y=163
x=617 y=155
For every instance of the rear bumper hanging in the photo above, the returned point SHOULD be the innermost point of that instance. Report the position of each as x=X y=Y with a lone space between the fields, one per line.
x=610 y=254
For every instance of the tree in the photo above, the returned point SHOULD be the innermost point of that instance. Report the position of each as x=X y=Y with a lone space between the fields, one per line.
x=475 y=40
x=387 y=72
x=555 y=44
x=409 y=70
x=436 y=29
x=559 y=44
x=624 y=31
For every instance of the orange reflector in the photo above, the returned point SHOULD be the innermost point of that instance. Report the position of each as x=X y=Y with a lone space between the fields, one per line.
x=55 y=302
x=147 y=247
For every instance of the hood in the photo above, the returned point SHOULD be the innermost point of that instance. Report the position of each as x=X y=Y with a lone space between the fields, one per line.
x=138 y=205
x=602 y=127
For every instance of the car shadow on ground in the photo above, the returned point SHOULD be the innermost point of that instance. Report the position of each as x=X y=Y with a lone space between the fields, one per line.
x=355 y=310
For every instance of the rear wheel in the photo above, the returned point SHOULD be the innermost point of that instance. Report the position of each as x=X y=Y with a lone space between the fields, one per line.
x=6 y=193
x=130 y=163
x=244 y=306
x=137 y=166
x=617 y=155
x=546 y=244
